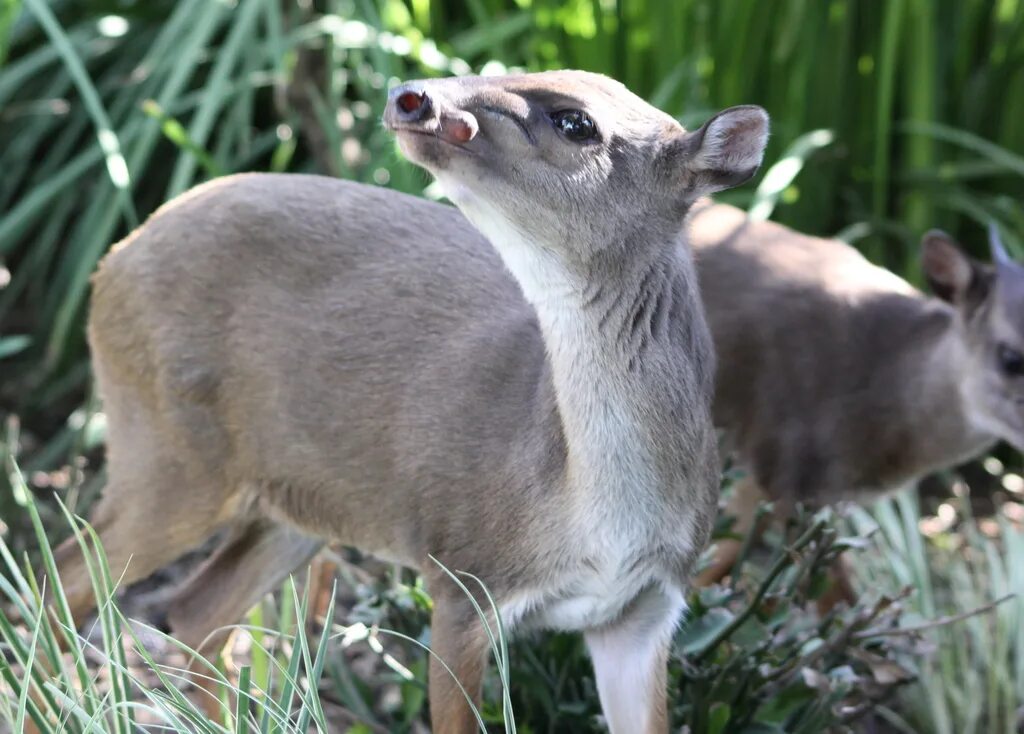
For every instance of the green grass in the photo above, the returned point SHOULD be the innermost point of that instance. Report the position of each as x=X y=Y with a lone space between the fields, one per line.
x=751 y=657
x=971 y=676
x=93 y=688
x=62 y=681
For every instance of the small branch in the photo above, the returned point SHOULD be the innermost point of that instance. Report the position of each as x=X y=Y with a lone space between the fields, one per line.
x=780 y=565
x=940 y=622
x=763 y=510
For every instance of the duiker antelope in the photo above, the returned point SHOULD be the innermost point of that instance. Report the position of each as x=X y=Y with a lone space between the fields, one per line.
x=300 y=359
x=839 y=380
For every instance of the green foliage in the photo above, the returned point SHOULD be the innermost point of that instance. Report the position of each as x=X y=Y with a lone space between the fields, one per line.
x=752 y=657
x=64 y=681
x=109 y=109
x=972 y=680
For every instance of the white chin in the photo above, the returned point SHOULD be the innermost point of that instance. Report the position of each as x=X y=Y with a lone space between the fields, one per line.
x=456 y=191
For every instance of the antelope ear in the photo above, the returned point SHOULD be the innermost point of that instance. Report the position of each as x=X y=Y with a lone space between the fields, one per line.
x=951 y=274
x=727 y=150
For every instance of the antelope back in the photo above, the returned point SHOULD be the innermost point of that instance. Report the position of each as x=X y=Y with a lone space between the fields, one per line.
x=835 y=377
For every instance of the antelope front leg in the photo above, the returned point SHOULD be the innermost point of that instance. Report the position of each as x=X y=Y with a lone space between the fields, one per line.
x=457 y=637
x=630 y=659
x=840 y=589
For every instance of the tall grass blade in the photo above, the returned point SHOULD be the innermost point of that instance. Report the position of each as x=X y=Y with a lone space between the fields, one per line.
x=247 y=13
x=784 y=171
x=117 y=167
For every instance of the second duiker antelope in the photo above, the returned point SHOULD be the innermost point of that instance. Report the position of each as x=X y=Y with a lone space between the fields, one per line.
x=839 y=380
x=301 y=359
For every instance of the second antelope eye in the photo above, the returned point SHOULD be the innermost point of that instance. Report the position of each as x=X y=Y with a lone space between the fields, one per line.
x=576 y=125
x=1011 y=362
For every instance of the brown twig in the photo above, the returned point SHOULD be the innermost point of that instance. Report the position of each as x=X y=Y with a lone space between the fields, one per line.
x=940 y=622
x=780 y=565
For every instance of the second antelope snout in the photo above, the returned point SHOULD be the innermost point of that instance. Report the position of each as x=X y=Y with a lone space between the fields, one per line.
x=418 y=107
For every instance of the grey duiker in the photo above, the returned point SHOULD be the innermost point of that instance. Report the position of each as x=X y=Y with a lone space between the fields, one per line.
x=296 y=360
x=837 y=379
x=989 y=300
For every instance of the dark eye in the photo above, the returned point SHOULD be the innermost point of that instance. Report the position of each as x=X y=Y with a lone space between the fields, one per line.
x=576 y=125
x=1011 y=362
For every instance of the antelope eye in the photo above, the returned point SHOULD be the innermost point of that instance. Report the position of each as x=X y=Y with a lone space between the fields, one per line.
x=575 y=125
x=1011 y=362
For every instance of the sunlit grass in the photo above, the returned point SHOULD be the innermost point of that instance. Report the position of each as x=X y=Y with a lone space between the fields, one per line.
x=971 y=675
x=62 y=680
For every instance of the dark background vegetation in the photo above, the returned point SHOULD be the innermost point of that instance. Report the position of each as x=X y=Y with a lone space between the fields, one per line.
x=889 y=118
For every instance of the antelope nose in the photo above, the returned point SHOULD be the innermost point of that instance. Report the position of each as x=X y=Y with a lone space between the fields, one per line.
x=411 y=107
x=409 y=103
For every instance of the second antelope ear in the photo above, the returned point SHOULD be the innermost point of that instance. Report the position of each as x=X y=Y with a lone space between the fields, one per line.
x=951 y=274
x=727 y=150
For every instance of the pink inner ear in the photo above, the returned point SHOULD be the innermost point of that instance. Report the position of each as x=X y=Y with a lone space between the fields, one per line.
x=940 y=270
x=943 y=263
x=934 y=264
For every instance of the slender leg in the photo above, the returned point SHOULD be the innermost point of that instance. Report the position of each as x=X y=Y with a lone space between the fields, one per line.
x=255 y=560
x=137 y=538
x=743 y=503
x=630 y=659
x=456 y=636
x=322 y=571
x=138 y=534
x=840 y=588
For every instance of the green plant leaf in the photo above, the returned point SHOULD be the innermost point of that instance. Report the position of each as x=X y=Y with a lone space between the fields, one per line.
x=698 y=633
x=718 y=718
x=12 y=345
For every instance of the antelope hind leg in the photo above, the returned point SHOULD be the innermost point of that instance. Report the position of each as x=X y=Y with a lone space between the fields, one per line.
x=458 y=638
x=256 y=559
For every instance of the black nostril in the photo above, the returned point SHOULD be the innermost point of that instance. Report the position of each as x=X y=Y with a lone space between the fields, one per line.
x=410 y=102
x=414 y=104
